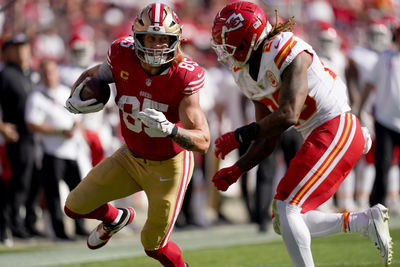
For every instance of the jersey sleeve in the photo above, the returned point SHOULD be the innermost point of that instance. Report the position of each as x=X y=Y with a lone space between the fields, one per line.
x=194 y=77
x=116 y=49
x=285 y=48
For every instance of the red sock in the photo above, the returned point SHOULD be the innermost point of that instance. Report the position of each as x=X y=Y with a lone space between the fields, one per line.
x=106 y=213
x=168 y=256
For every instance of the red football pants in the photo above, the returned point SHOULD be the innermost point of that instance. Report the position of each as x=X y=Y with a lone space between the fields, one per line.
x=322 y=163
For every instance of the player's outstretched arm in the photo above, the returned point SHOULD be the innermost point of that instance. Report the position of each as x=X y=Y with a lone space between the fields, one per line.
x=195 y=134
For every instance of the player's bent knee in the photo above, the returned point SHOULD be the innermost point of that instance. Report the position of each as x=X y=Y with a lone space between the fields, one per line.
x=72 y=214
x=71 y=200
x=153 y=253
x=159 y=255
x=74 y=204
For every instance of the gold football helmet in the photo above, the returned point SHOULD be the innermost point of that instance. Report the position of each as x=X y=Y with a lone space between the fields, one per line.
x=160 y=19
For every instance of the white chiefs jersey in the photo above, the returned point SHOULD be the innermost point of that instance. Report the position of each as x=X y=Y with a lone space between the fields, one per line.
x=327 y=94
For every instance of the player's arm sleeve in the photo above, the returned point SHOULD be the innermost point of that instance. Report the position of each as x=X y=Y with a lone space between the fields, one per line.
x=105 y=72
x=196 y=82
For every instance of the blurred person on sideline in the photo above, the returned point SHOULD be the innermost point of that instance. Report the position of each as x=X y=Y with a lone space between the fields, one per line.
x=60 y=140
x=162 y=122
x=48 y=43
x=361 y=61
x=15 y=85
x=328 y=47
x=289 y=86
x=384 y=81
x=5 y=232
x=97 y=129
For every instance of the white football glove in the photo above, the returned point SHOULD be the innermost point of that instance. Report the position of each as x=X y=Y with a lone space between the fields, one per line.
x=157 y=121
x=76 y=105
x=367 y=139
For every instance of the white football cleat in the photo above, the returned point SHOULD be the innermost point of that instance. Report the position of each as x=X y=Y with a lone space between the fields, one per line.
x=104 y=231
x=378 y=231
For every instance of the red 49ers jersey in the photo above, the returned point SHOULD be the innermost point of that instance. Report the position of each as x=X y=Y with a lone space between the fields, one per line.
x=162 y=92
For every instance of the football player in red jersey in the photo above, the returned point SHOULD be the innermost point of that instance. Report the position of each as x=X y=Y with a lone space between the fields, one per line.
x=161 y=119
x=290 y=87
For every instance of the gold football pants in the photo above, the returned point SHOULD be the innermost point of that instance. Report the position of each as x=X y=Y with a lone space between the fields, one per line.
x=122 y=174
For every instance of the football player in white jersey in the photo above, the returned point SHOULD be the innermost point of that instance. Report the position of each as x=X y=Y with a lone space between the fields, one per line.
x=384 y=83
x=290 y=87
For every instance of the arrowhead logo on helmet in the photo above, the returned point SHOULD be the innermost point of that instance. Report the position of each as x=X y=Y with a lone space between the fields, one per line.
x=234 y=22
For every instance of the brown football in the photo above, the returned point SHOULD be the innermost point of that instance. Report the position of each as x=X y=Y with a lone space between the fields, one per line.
x=96 y=88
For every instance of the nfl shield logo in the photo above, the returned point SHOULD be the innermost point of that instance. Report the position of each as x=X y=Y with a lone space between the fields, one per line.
x=148 y=82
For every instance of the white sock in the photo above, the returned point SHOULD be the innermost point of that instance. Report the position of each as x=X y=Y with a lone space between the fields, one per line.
x=358 y=222
x=116 y=221
x=323 y=224
x=295 y=234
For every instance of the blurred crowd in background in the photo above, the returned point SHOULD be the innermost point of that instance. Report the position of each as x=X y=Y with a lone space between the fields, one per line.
x=68 y=36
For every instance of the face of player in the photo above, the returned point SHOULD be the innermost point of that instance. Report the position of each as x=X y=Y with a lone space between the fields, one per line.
x=157 y=43
x=49 y=74
x=20 y=55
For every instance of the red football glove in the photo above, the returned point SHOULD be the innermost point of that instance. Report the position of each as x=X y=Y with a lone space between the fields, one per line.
x=225 y=177
x=225 y=144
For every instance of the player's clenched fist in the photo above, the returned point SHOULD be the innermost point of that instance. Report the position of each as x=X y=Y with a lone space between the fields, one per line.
x=232 y=140
x=225 y=177
x=225 y=144
x=157 y=122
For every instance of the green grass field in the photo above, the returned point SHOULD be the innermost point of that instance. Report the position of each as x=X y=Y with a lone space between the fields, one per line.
x=339 y=250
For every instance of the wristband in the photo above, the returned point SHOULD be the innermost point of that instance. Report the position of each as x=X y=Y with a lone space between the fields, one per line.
x=174 y=131
x=59 y=132
x=248 y=133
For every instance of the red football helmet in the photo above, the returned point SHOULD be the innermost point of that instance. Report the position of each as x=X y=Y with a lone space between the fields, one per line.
x=239 y=28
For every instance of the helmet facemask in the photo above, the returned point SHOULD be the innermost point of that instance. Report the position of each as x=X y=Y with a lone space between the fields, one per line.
x=225 y=54
x=153 y=56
